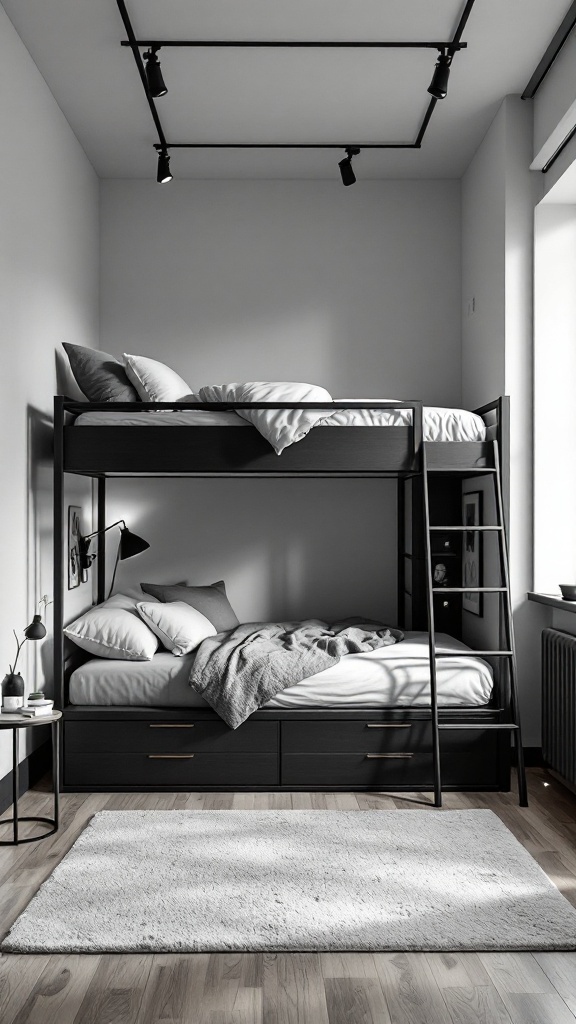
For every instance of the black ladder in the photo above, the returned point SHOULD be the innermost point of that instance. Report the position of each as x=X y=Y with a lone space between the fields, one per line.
x=508 y=653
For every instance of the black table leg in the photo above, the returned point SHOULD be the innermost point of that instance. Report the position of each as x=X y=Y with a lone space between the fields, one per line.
x=15 y=780
x=56 y=770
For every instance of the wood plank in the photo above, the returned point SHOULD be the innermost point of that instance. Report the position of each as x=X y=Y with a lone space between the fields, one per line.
x=294 y=989
x=411 y=992
x=116 y=990
x=360 y=1000
x=173 y=993
x=560 y=968
x=58 y=994
x=477 y=1005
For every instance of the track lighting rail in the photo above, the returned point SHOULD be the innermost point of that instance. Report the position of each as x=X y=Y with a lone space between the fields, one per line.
x=150 y=74
x=299 y=44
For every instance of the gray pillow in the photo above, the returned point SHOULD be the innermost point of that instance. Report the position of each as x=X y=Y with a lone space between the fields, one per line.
x=101 y=377
x=210 y=600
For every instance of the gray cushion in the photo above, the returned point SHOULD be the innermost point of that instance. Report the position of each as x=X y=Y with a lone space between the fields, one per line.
x=100 y=376
x=210 y=600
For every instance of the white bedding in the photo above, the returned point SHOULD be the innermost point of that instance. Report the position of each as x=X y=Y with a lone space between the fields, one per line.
x=439 y=424
x=396 y=675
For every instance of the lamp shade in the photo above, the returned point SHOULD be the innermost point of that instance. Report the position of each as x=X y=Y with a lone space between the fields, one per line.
x=439 y=85
x=36 y=630
x=130 y=544
x=346 y=171
x=154 y=77
x=164 y=174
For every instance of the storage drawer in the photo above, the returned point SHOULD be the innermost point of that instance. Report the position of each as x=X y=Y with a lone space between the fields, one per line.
x=347 y=736
x=475 y=766
x=188 y=770
x=356 y=770
x=169 y=737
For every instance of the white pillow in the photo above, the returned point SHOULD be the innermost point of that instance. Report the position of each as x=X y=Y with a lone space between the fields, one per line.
x=154 y=381
x=180 y=627
x=114 y=630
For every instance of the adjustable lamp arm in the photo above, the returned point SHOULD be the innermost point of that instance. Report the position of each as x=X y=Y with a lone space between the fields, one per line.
x=88 y=536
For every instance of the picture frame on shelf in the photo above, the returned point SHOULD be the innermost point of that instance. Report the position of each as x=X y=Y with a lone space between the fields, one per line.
x=472 y=553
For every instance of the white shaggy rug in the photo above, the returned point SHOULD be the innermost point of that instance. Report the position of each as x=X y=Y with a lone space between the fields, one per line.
x=185 y=881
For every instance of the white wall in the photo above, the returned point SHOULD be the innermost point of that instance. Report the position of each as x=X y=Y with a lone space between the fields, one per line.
x=355 y=289
x=48 y=294
x=498 y=198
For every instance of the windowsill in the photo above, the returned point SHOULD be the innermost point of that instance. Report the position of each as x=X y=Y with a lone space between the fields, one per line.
x=554 y=600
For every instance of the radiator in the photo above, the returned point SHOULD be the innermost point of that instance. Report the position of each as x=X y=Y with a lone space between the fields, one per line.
x=559 y=702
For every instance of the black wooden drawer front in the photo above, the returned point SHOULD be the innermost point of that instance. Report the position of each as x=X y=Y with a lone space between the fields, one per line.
x=355 y=770
x=365 y=737
x=189 y=770
x=169 y=737
x=388 y=771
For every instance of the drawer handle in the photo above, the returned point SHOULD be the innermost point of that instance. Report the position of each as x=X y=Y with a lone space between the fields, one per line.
x=387 y=725
x=372 y=757
x=169 y=726
x=170 y=757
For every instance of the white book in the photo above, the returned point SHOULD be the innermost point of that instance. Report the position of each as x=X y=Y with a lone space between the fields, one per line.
x=37 y=712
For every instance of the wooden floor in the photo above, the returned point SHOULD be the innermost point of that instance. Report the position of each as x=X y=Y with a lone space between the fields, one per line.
x=326 y=988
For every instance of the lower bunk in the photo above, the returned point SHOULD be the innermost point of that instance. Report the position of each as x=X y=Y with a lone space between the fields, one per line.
x=362 y=725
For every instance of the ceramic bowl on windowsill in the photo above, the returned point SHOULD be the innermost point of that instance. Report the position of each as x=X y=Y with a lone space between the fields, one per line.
x=568 y=591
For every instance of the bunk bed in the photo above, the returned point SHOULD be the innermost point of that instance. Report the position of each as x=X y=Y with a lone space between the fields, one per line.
x=347 y=746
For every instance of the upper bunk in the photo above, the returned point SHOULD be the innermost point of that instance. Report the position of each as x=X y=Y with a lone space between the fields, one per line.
x=209 y=439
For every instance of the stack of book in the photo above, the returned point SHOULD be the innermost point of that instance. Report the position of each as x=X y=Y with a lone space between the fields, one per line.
x=37 y=708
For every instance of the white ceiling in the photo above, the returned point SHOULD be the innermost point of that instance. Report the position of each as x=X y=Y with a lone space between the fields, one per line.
x=239 y=95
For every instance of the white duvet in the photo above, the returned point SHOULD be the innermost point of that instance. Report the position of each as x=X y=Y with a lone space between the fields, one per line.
x=281 y=427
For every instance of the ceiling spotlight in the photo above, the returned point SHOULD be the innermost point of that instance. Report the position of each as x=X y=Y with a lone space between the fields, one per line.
x=345 y=165
x=439 y=85
x=153 y=70
x=164 y=173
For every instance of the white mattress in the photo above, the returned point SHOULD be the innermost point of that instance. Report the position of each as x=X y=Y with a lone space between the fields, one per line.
x=396 y=675
x=439 y=424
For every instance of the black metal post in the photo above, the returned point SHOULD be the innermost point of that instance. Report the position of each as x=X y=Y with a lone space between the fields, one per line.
x=56 y=770
x=101 y=542
x=58 y=608
x=15 y=780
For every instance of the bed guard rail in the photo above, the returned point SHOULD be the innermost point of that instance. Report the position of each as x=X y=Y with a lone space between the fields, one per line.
x=64 y=407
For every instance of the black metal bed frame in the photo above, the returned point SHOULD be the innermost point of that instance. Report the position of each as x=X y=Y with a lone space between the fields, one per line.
x=101 y=452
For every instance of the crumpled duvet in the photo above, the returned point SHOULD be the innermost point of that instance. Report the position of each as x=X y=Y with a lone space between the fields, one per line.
x=281 y=427
x=239 y=671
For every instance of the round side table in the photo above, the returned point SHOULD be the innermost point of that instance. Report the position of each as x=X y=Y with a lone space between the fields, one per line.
x=16 y=723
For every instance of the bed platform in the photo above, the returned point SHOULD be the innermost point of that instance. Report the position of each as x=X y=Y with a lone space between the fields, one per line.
x=298 y=748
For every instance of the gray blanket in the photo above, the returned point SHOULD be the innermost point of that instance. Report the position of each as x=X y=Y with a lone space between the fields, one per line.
x=238 y=672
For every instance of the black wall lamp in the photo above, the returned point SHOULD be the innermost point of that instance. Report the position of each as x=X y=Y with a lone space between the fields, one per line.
x=130 y=544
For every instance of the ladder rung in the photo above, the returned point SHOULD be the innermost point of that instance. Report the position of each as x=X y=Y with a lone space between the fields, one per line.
x=469 y=590
x=463 y=529
x=477 y=725
x=462 y=469
x=473 y=654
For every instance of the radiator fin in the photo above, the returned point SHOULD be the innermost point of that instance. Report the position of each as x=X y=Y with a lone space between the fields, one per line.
x=559 y=702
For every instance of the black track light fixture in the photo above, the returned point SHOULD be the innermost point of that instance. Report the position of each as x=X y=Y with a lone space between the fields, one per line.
x=345 y=165
x=164 y=174
x=439 y=85
x=153 y=70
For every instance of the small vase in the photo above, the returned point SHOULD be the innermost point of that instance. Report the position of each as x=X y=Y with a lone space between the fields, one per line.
x=12 y=692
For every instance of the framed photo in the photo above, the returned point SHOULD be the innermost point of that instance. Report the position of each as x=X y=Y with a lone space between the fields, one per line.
x=74 y=534
x=472 y=551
